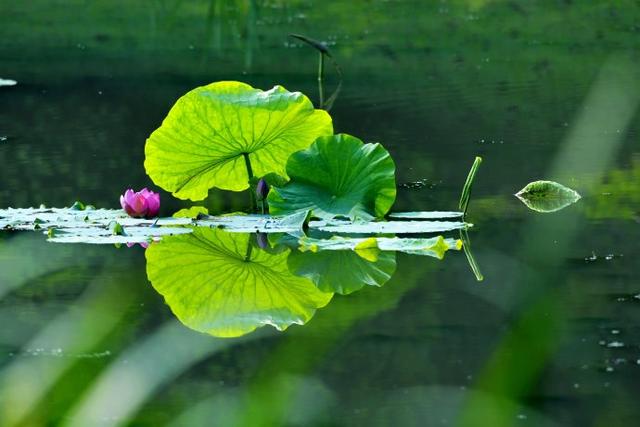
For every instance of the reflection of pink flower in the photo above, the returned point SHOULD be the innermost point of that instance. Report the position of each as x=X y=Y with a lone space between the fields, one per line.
x=143 y=244
x=141 y=204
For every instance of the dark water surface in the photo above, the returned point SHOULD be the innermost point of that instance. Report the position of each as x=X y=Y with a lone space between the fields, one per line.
x=540 y=90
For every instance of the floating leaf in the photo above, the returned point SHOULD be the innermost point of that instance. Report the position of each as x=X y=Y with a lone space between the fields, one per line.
x=343 y=271
x=78 y=206
x=434 y=246
x=426 y=215
x=338 y=175
x=216 y=282
x=102 y=236
x=387 y=227
x=92 y=226
x=8 y=82
x=547 y=196
x=211 y=132
x=116 y=229
x=368 y=249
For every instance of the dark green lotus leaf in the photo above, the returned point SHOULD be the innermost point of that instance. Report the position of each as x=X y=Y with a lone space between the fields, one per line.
x=216 y=282
x=547 y=196
x=203 y=140
x=338 y=175
x=343 y=271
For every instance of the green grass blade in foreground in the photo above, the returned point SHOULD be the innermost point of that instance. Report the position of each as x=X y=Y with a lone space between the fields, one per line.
x=466 y=190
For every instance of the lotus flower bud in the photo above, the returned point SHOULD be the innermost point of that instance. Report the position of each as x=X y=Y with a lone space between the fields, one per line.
x=262 y=240
x=262 y=189
x=141 y=204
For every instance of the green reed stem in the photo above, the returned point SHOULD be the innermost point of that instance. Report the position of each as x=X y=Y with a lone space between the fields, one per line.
x=466 y=190
x=252 y=191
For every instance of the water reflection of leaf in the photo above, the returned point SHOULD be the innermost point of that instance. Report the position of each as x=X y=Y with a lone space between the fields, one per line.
x=343 y=271
x=216 y=282
x=618 y=196
x=547 y=196
x=433 y=246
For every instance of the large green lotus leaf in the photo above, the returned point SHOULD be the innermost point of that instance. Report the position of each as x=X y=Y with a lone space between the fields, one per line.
x=547 y=196
x=202 y=141
x=343 y=271
x=338 y=175
x=218 y=283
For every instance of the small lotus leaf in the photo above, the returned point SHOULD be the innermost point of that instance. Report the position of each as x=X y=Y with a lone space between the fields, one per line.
x=94 y=225
x=338 y=175
x=204 y=139
x=547 y=196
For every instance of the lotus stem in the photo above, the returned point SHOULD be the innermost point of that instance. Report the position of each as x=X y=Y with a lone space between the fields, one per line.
x=466 y=190
x=323 y=51
x=252 y=193
x=321 y=78
x=247 y=255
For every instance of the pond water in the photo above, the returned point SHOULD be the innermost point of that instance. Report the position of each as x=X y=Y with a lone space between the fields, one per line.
x=540 y=90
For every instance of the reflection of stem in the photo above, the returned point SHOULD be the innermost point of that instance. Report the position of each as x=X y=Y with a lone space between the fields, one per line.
x=252 y=192
x=321 y=78
x=466 y=247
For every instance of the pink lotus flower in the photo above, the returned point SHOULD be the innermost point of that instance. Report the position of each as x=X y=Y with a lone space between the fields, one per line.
x=141 y=204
